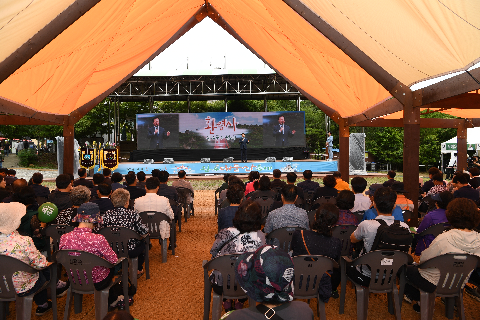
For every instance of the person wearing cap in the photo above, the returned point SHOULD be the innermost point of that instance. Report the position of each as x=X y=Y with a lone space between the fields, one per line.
x=402 y=201
x=14 y=245
x=82 y=238
x=438 y=215
x=371 y=213
x=266 y=276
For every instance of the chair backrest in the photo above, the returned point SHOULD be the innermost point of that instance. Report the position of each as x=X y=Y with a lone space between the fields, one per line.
x=311 y=216
x=183 y=195
x=55 y=231
x=79 y=266
x=325 y=199
x=278 y=190
x=41 y=200
x=118 y=237
x=454 y=270
x=384 y=265
x=131 y=204
x=265 y=204
x=343 y=233
x=308 y=273
x=308 y=196
x=299 y=202
x=435 y=229
x=217 y=202
x=152 y=220
x=283 y=236
x=8 y=266
x=226 y=266
x=359 y=215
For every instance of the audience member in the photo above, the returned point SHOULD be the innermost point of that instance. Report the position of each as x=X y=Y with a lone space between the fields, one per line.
x=14 y=188
x=225 y=215
x=253 y=176
x=78 y=196
x=277 y=183
x=40 y=191
x=288 y=215
x=97 y=179
x=464 y=190
x=391 y=178
x=291 y=179
x=10 y=178
x=164 y=189
x=244 y=236
x=141 y=177
x=266 y=275
x=362 y=202
x=474 y=177
x=224 y=185
x=308 y=185
x=132 y=188
x=384 y=201
x=438 y=184
x=463 y=216
x=429 y=184
x=264 y=189
x=103 y=198
x=402 y=201
x=106 y=176
x=340 y=184
x=151 y=201
x=117 y=178
x=328 y=189
x=371 y=213
x=345 y=202
x=438 y=215
x=61 y=197
x=121 y=216
x=182 y=182
x=82 y=179
x=231 y=181
x=4 y=193
x=319 y=241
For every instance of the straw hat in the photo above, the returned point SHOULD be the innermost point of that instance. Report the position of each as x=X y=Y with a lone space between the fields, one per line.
x=10 y=216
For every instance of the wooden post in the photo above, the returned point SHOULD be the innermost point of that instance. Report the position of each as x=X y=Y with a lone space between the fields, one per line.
x=344 y=157
x=68 y=146
x=411 y=147
x=462 y=146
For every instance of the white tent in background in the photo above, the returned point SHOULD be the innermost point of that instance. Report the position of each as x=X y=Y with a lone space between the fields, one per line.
x=473 y=141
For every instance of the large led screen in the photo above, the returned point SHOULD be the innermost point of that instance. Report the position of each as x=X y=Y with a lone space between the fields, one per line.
x=220 y=130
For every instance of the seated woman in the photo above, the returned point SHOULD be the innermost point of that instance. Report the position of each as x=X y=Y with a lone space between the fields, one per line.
x=264 y=189
x=319 y=241
x=345 y=202
x=79 y=195
x=252 y=177
x=463 y=216
x=244 y=236
x=121 y=216
x=82 y=238
x=438 y=215
x=22 y=248
x=225 y=215
x=273 y=297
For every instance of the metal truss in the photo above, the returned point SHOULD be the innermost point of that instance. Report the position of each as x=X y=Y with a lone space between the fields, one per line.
x=212 y=87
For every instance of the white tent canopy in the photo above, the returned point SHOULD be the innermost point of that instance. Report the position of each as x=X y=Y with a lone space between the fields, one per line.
x=473 y=141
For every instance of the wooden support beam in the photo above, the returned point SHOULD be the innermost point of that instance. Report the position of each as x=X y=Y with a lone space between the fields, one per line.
x=462 y=101
x=462 y=147
x=411 y=147
x=388 y=106
x=344 y=159
x=49 y=32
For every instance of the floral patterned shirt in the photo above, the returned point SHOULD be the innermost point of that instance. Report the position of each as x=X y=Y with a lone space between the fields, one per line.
x=23 y=249
x=84 y=239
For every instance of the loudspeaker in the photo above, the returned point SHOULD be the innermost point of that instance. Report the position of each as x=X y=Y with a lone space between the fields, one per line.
x=205 y=160
x=270 y=159
x=148 y=161
x=287 y=159
x=168 y=160
x=229 y=159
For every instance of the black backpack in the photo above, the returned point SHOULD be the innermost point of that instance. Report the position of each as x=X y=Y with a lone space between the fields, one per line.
x=392 y=237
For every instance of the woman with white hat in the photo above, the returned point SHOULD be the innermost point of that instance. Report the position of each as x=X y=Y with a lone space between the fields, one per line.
x=22 y=248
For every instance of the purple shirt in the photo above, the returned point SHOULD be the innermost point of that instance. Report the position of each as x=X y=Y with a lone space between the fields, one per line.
x=85 y=240
x=433 y=217
x=346 y=217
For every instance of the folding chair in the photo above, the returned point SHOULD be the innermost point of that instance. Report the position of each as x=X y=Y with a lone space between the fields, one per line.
x=152 y=220
x=183 y=194
x=283 y=236
x=343 y=233
x=55 y=232
x=265 y=205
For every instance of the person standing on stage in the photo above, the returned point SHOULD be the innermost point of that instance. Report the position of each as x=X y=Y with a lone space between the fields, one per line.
x=282 y=132
x=243 y=147
x=329 y=145
x=156 y=134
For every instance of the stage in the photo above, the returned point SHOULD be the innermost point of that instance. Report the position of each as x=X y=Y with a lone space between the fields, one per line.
x=237 y=167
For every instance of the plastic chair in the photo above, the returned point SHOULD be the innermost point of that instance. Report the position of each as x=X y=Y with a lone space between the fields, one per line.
x=152 y=220
x=311 y=216
x=343 y=233
x=183 y=194
x=55 y=232
x=217 y=201
x=434 y=230
x=384 y=266
x=265 y=204
x=10 y=265
x=231 y=290
x=308 y=270
x=283 y=236
x=41 y=200
x=455 y=271
x=321 y=200
x=79 y=266
x=308 y=199
x=118 y=238
x=300 y=203
x=359 y=215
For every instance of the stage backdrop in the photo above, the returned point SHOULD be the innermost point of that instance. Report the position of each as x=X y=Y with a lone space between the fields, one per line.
x=220 y=130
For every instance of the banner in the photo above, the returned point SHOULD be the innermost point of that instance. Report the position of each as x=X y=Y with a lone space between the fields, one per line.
x=109 y=158
x=87 y=158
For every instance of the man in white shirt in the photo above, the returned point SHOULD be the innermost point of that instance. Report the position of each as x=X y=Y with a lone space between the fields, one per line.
x=362 y=202
x=153 y=202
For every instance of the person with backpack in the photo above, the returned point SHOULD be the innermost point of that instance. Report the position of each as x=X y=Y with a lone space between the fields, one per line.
x=381 y=233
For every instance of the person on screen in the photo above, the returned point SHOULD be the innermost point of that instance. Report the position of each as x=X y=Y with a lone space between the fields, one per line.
x=243 y=147
x=282 y=132
x=329 y=145
x=156 y=134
